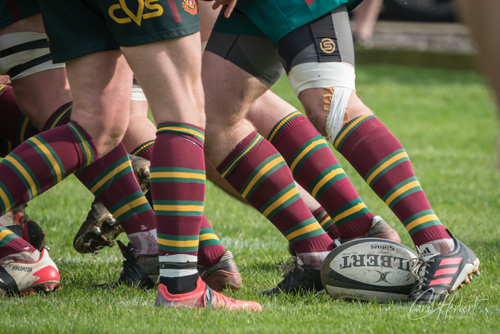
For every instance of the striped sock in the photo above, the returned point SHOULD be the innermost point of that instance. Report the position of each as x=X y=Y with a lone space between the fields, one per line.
x=315 y=168
x=15 y=126
x=111 y=179
x=210 y=250
x=43 y=161
x=145 y=150
x=259 y=173
x=59 y=117
x=326 y=222
x=178 y=191
x=16 y=248
x=6 y=146
x=382 y=161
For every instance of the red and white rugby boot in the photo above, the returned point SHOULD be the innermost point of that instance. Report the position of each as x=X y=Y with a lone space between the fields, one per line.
x=19 y=278
x=439 y=275
x=203 y=296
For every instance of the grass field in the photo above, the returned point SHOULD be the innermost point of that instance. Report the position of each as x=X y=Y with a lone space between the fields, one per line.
x=445 y=120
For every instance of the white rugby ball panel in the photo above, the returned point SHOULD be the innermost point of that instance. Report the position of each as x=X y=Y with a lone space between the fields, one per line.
x=369 y=268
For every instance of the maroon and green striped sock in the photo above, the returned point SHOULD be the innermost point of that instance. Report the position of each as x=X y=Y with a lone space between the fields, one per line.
x=178 y=187
x=178 y=192
x=11 y=244
x=260 y=174
x=43 y=161
x=145 y=150
x=384 y=164
x=112 y=180
x=210 y=250
x=326 y=222
x=15 y=126
x=316 y=169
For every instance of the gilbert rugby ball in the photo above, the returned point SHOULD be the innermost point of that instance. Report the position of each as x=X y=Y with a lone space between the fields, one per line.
x=369 y=269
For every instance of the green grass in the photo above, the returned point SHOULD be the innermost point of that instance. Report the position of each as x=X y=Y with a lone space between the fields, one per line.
x=447 y=123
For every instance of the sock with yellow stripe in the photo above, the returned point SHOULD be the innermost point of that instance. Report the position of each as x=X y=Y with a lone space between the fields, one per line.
x=43 y=161
x=15 y=126
x=112 y=180
x=260 y=174
x=177 y=176
x=16 y=248
x=326 y=222
x=145 y=150
x=210 y=250
x=316 y=169
x=59 y=117
x=384 y=164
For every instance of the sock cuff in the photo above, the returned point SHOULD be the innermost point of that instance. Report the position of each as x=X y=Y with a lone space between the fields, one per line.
x=59 y=117
x=188 y=131
x=144 y=149
x=239 y=154
x=361 y=124
x=84 y=144
x=284 y=126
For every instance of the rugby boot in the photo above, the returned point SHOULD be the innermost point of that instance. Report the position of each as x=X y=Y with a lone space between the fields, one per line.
x=141 y=271
x=18 y=222
x=438 y=275
x=20 y=278
x=202 y=296
x=297 y=278
x=223 y=275
x=100 y=229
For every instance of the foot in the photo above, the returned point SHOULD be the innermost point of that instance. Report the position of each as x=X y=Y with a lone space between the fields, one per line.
x=101 y=229
x=438 y=275
x=297 y=278
x=223 y=275
x=20 y=278
x=203 y=296
x=141 y=271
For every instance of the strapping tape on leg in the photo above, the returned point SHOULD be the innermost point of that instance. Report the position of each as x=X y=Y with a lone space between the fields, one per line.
x=338 y=108
x=25 y=53
x=339 y=76
x=178 y=265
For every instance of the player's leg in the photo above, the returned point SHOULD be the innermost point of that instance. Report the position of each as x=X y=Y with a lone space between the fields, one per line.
x=314 y=166
x=481 y=20
x=43 y=87
x=172 y=84
x=366 y=143
x=249 y=162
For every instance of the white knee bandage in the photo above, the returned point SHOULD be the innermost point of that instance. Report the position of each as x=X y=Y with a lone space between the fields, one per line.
x=138 y=94
x=19 y=58
x=338 y=107
x=339 y=76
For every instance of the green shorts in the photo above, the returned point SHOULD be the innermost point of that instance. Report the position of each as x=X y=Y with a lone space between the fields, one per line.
x=13 y=11
x=76 y=28
x=276 y=18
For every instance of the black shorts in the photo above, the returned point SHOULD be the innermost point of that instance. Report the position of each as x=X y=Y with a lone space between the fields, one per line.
x=326 y=39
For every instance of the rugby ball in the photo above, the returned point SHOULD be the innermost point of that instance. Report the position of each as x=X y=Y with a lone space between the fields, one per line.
x=369 y=269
